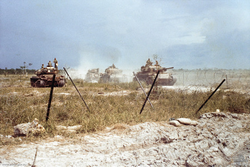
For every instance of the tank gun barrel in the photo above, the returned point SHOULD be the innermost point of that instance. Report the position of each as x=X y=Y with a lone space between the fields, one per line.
x=169 y=68
x=165 y=69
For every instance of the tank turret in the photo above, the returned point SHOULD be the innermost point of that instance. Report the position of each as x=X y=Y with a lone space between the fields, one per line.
x=92 y=75
x=112 y=74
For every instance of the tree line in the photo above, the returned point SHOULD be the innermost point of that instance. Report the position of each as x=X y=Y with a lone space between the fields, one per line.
x=19 y=71
x=16 y=71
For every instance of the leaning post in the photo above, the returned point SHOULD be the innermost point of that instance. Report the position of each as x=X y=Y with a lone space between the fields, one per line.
x=50 y=97
x=149 y=92
x=143 y=89
x=210 y=96
x=76 y=89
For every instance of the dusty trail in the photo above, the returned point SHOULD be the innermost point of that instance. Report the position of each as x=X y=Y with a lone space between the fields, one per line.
x=218 y=139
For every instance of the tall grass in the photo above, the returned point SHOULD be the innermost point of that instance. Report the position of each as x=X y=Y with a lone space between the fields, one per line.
x=21 y=105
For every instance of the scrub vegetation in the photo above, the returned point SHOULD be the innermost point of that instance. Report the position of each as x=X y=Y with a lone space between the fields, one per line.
x=109 y=104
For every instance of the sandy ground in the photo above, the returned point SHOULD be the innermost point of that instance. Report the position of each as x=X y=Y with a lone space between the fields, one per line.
x=218 y=139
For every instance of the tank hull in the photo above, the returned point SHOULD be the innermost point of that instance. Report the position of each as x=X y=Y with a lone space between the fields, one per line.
x=161 y=81
x=111 y=75
x=46 y=81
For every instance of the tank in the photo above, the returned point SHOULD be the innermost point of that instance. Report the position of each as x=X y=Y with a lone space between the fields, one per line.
x=149 y=71
x=112 y=74
x=93 y=75
x=44 y=77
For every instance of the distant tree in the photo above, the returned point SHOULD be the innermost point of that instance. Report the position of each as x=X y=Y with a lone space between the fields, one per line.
x=24 y=67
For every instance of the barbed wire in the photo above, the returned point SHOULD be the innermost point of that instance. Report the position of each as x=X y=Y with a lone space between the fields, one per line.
x=234 y=79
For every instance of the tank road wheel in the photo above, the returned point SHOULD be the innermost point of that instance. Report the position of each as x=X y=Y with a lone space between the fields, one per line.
x=149 y=81
x=40 y=83
x=32 y=83
x=61 y=83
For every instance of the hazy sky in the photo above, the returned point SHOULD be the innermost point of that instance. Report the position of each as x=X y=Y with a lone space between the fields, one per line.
x=97 y=33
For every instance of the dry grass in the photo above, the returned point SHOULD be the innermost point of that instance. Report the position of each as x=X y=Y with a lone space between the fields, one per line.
x=23 y=104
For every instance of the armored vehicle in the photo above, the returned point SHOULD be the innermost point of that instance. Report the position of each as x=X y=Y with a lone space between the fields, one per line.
x=149 y=71
x=112 y=74
x=44 y=77
x=93 y=75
